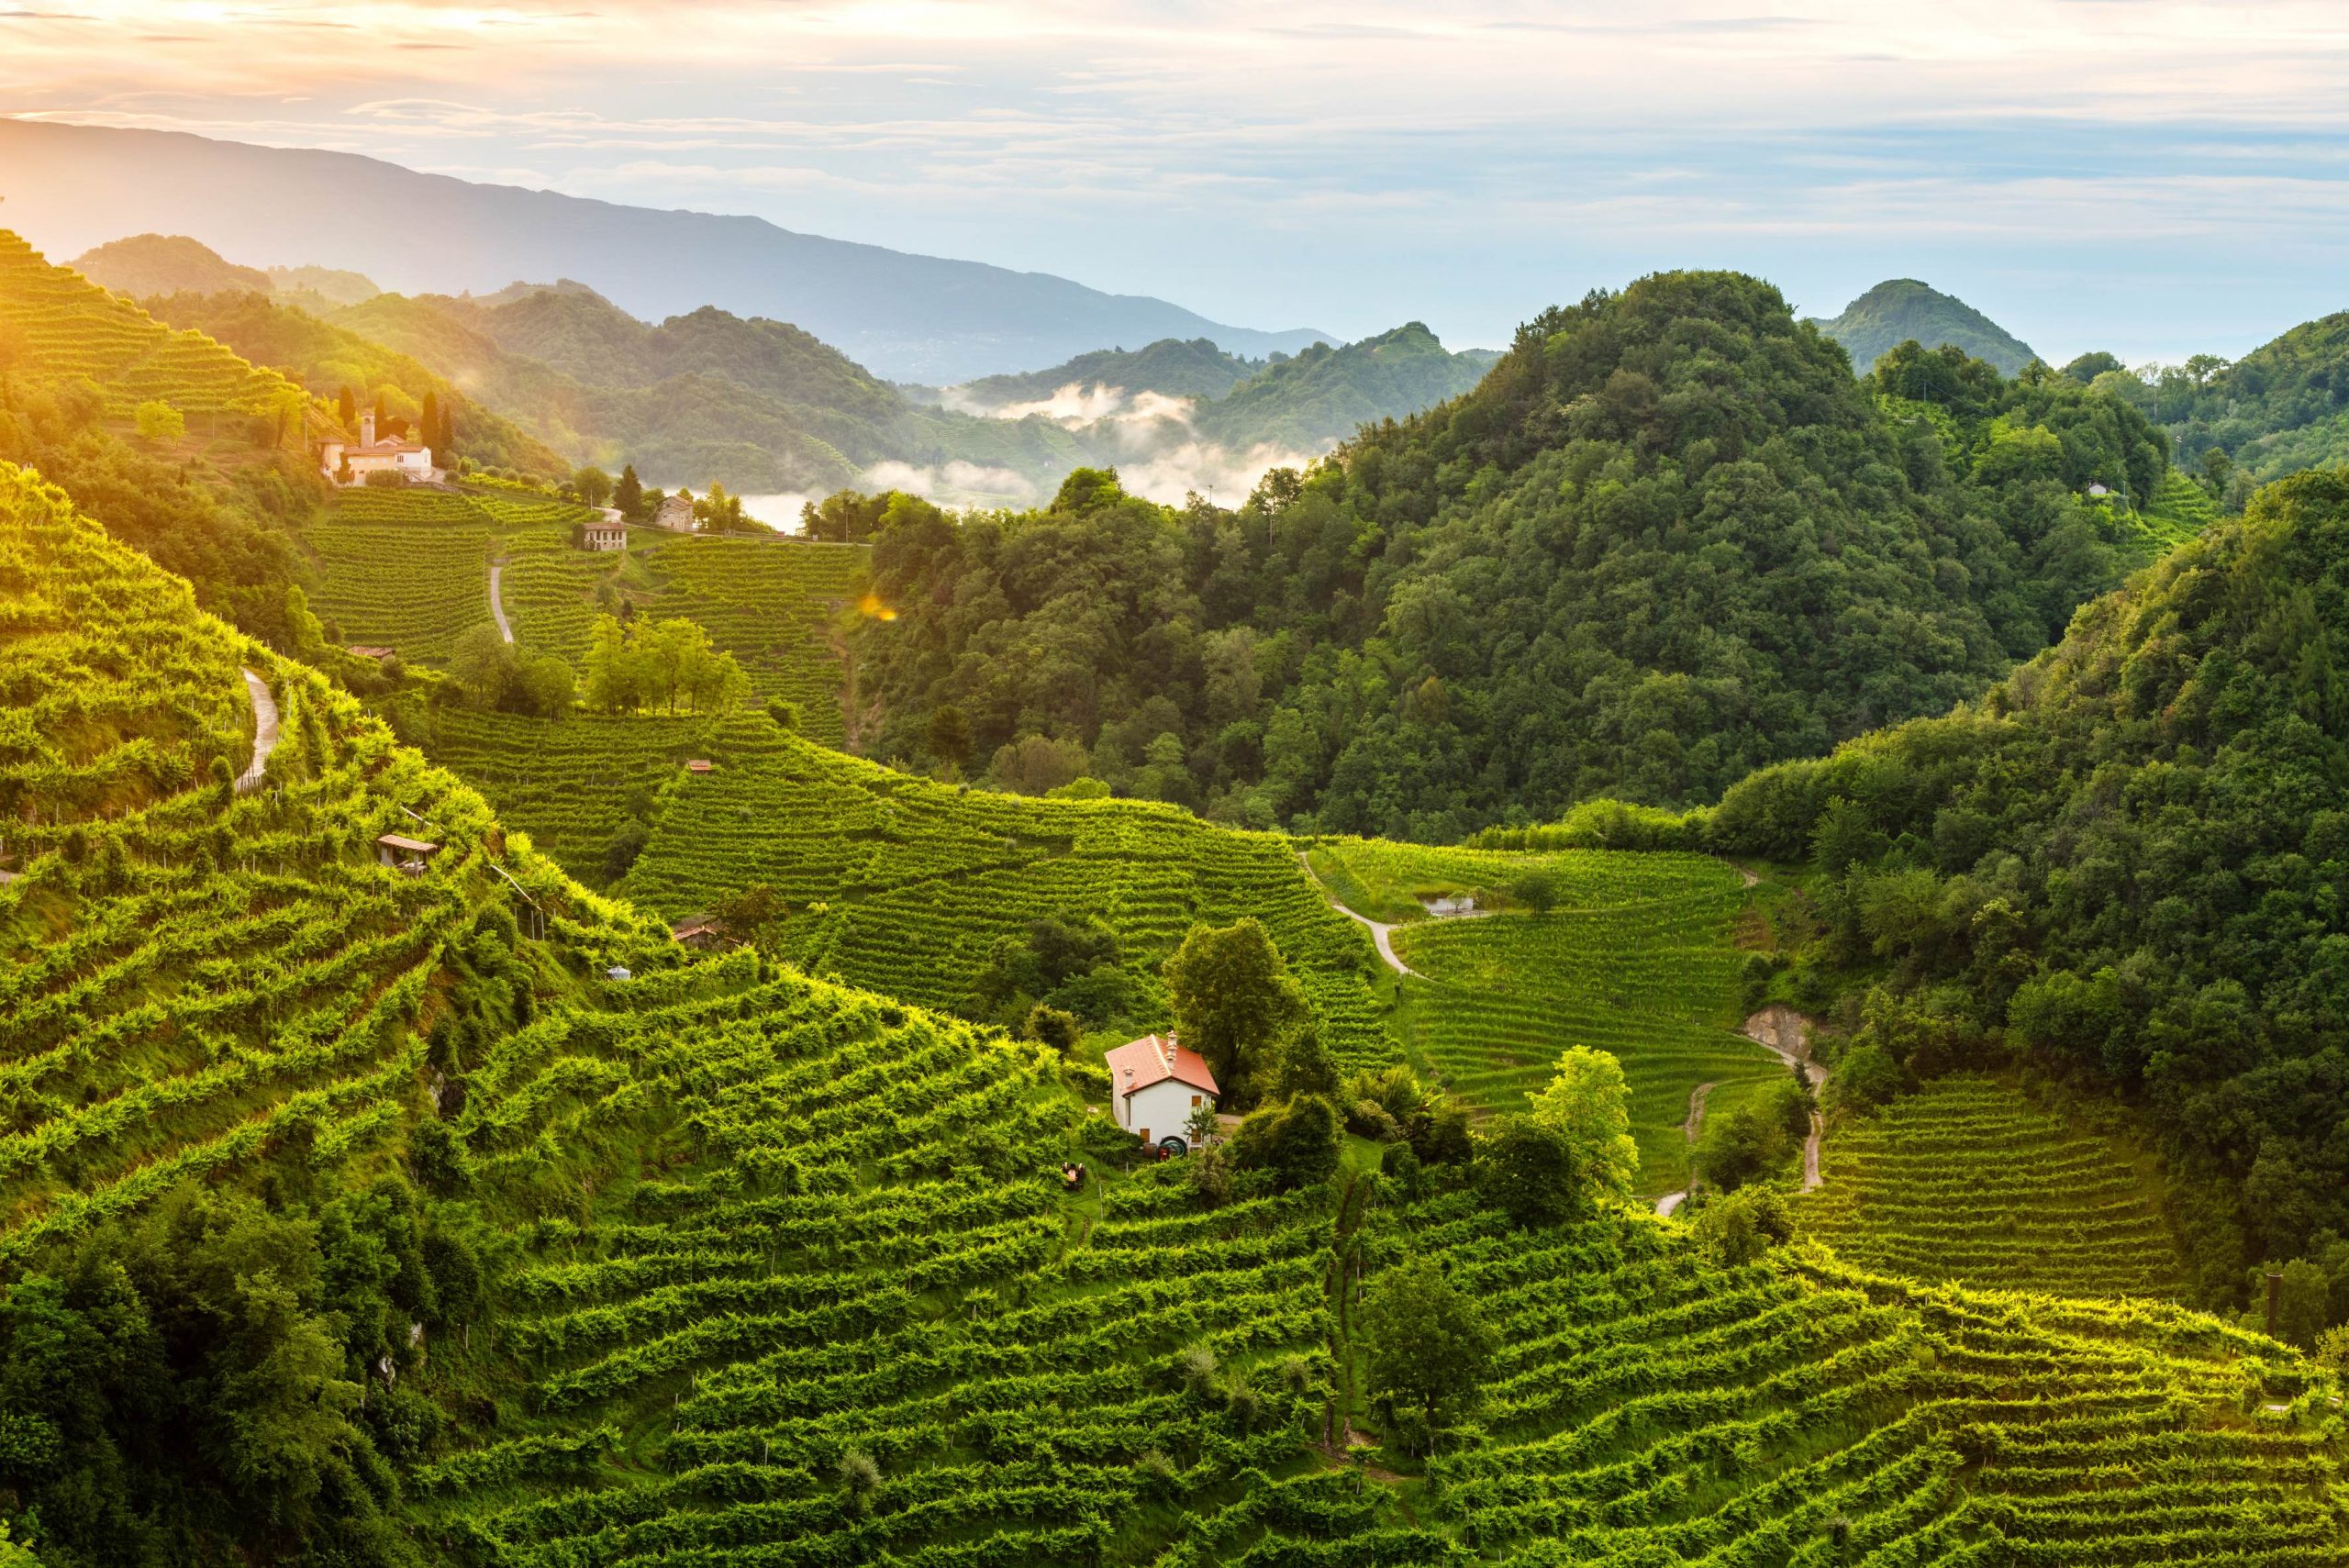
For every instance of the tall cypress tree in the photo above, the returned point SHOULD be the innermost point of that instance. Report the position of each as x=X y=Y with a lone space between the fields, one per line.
x=347 y=410
x=428 y=423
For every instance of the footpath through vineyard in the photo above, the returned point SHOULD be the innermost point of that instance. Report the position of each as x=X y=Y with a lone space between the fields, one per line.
x=264 y=730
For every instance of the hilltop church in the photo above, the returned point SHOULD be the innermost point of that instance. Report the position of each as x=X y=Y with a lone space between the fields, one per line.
x=346 y=463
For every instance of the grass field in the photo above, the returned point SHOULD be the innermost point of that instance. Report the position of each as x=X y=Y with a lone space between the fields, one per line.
x=1637 y=957
x=1967 y=1180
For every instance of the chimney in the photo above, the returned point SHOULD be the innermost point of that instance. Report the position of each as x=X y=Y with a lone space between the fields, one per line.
x=367 y=428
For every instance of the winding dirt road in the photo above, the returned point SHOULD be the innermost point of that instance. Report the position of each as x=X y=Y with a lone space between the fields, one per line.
x=1771 y=1028
x=1785 y=1034
x=264 y=731
x=496 y=605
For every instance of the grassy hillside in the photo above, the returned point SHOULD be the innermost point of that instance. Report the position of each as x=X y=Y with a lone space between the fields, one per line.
x=1903 y=309
x=721 y=1264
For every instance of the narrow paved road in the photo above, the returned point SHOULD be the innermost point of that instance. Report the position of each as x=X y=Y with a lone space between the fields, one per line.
x=497 y=607
x=264 y=731
x=1379 y=930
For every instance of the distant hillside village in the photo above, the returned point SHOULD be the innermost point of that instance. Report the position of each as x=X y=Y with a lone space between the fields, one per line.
x=387 y=457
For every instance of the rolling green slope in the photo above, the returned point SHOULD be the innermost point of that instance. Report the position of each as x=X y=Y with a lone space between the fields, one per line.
x=904 y=886
x=148 y=265
x=329 y=359
x=770 y=1271
x=63 y=325
x=1636 y=958
x=189 y=973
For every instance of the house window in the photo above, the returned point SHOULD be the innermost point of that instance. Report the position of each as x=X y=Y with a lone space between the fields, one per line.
x=1195 y=1099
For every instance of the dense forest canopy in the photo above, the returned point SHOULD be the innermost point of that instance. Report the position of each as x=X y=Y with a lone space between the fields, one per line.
x=1322 y=395
x=2280 y=408
x=1669 y=539
x=2127 y=863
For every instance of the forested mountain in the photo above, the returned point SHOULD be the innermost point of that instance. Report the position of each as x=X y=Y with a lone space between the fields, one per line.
x=332 y=360
x=1322 y=395
x=329 y=284
x=148 y=265
x=911 y=318
x=2280 y=408
x=1667 y=539
x=1301 y=405
x=1902 y=310
x=754 y=404
x=2127 y=861
x=1173 y=366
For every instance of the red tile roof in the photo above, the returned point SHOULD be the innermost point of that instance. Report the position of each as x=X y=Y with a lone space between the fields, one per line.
x=1154 y=1059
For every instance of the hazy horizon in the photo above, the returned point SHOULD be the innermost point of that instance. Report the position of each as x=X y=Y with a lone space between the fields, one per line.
x=2154 y=179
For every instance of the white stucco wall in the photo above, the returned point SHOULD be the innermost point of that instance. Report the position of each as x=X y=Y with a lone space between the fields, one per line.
x=1160 y=1110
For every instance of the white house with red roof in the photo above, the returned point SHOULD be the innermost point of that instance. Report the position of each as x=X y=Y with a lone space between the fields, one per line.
x=348 y=464
x=1155 y=1084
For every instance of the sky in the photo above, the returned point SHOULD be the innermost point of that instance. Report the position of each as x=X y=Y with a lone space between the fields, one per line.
x=2149 y=177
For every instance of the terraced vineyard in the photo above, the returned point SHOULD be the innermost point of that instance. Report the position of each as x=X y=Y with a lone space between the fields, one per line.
x=780 y=1273
x=73 y=328
x=1651 y=1408
x=550 y=590
x=2179 y=510
x=870 y=1261
x=190 y=973
x=572 y=783
x=1635 y=958
x=410 y=587
x=769 y=602
x=905 y=884
x=1967 y=1180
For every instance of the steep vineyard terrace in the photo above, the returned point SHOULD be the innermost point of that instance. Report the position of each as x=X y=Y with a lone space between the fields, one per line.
x=781 y=1272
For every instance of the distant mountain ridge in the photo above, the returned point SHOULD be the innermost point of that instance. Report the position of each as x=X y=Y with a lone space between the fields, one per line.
x=906 y=317
x=1305 y=404
x=1172 y=366
x=1901 y=308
